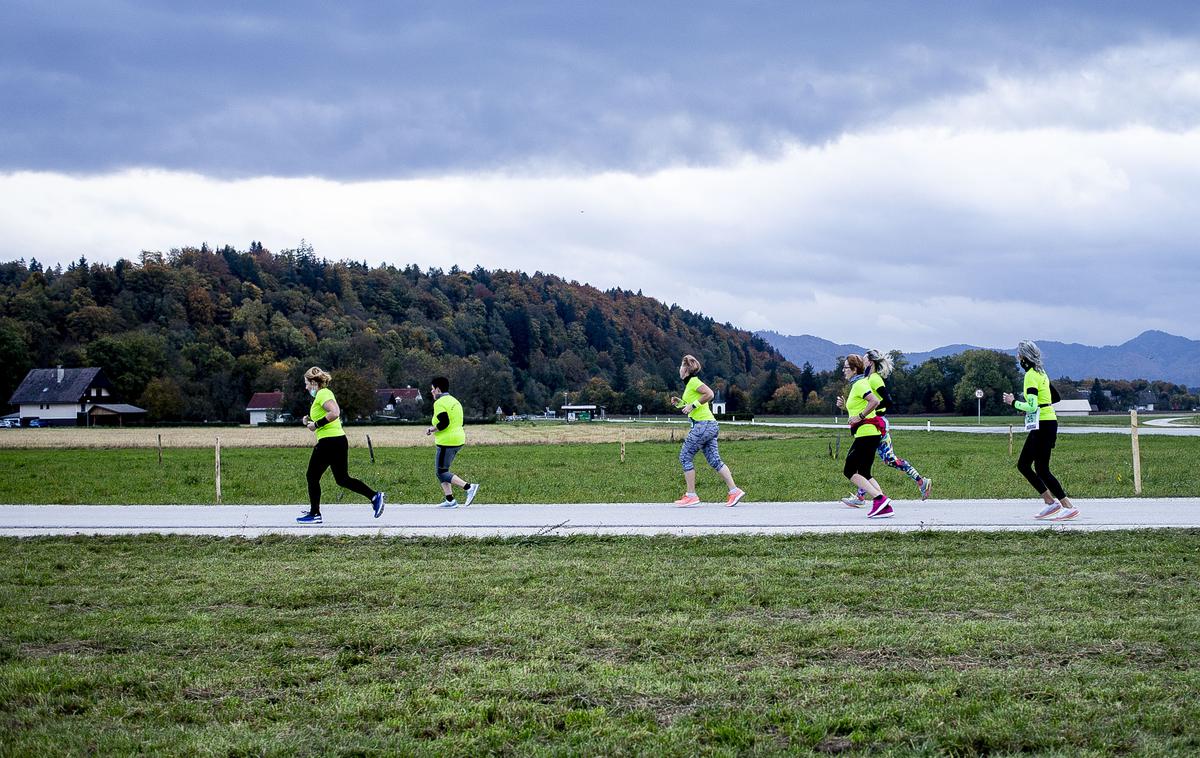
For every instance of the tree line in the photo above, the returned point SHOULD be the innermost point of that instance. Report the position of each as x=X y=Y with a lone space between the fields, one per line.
x=191 y=334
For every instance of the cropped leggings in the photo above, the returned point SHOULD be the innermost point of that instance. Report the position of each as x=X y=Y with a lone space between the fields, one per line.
x=703 y=436
x=1034 y=462
x=332 y=452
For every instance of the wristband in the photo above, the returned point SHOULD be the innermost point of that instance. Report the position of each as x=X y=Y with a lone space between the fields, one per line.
x=322 y=421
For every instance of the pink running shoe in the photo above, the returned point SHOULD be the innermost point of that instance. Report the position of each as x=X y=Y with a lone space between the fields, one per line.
x=735 y=497
x=688 y=501
x=881 y=507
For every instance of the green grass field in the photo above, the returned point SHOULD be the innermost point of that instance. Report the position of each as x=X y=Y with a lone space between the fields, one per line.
x=966 y=644
x=798 y=467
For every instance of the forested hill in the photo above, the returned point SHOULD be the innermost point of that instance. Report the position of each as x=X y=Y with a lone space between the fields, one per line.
x=190 y=335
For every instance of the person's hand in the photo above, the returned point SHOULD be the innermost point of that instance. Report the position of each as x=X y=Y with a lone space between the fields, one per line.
x=428 y=431
x=305 y=420
x=676 y=401
x=311 y=426
x=1008 y=398
x=841 y=402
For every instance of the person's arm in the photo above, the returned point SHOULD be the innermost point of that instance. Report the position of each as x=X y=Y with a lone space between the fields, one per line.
x=332 y=413
x=706 y=395
x=872 y=404
x=885 y=397
x=443 y=421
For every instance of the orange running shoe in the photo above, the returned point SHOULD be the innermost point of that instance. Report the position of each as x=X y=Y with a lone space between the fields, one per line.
x=687 y=501
x=735 y=497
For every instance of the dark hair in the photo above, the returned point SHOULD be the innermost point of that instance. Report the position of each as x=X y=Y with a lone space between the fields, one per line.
x=442 y=383
x=855 y=362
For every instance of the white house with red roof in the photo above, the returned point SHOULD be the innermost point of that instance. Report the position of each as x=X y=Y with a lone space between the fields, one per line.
x=392 y=401
x=266 y=408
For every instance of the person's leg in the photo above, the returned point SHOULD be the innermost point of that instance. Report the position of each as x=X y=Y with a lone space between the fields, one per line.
x=1025 y=461
x=861 y=448
x=340 y=463
x=687 y=455
x=887 y=454
x=445 y=457
x=1041 y=463
x=317 y=463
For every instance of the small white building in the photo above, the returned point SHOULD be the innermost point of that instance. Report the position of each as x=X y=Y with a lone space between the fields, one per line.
x=1072 y=408
x=718 y=403
x=266 y=408
x=580 y=412
x=70 y=397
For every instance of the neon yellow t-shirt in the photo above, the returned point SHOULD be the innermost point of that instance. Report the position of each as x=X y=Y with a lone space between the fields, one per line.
x=317 y=412
x=876 y=384
x=454 y=434
x=691 y=394
x=1038 y=383
x=856 y=403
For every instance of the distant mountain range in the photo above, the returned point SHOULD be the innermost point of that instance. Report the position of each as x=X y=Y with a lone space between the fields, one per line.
x=1150 y=355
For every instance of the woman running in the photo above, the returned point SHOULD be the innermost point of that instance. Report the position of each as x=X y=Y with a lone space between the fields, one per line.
x=878 y=367
x=1042 y=423
x=332 y=449
x=861 y=402
x=703 y=434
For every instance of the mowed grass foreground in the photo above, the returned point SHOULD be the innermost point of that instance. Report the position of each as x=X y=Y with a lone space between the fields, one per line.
x=1063 y=643
x=795 y=468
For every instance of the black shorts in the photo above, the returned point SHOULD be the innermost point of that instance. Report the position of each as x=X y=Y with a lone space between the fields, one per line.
x=861 y=456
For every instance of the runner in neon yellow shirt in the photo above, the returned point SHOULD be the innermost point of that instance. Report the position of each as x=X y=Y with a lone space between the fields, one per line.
x=878 y=366
x=332 y=450
x=860 y=402
x=702 y=436
x=449 y=436
x=1041 y=420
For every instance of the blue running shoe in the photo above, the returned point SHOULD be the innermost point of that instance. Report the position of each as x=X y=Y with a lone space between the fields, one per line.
x=377 y=503
x=448 y=504
x=310 y=518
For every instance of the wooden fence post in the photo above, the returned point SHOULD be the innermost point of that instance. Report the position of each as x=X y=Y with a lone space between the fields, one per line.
x=1010 y=440
x=622 y=446
x=371 y=450
x=1137 y=453
x=218 y=470
x=160 y=449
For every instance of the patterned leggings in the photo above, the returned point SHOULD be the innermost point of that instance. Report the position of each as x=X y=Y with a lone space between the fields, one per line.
x=703 y=436
x=888 y=456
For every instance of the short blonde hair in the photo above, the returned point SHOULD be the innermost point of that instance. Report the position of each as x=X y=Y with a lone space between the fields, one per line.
x=692 y=364
x=318 y=375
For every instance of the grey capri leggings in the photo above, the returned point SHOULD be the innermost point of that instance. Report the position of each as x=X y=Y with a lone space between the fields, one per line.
x=703 y=436
x=445 y=456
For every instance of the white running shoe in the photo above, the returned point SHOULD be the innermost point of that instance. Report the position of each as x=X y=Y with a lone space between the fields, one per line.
x=472 y=491
x=853 y=501
x=1049 y=510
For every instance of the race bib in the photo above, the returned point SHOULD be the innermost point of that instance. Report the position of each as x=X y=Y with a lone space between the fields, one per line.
x=1031 y=420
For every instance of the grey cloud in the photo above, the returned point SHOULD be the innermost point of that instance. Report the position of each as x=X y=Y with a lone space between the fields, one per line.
x=363 y=91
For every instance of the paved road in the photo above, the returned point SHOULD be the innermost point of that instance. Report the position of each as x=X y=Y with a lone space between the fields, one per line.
x=624 y=518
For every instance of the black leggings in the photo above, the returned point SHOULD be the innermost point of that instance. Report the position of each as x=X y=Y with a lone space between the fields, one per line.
x=1034 y=462
x=332 y=452
x=861 y=456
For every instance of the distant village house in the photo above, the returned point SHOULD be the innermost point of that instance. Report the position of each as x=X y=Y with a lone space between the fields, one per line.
x=71 y=397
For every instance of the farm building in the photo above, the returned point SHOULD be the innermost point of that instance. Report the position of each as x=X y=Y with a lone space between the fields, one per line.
x=266 y=408
x=71 y=397
x=391 y=402
x=1073 y=408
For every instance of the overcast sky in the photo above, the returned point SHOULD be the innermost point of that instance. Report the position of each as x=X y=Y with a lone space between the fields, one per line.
x=901 y=175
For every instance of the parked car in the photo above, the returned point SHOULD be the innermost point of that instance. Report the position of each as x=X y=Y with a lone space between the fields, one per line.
x=9 y=423
x=34 y=422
